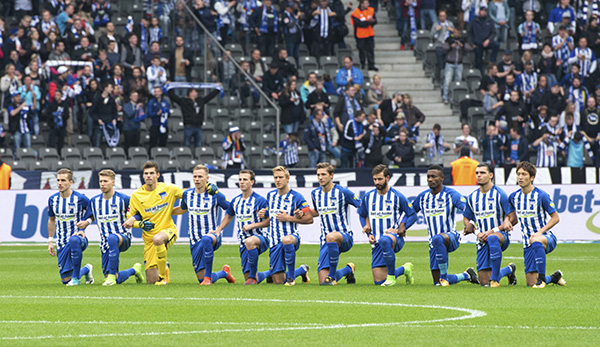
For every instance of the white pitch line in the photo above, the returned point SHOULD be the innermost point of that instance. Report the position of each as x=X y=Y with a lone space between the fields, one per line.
x=94 y=322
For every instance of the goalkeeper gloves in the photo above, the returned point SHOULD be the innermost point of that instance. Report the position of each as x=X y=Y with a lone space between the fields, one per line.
x=145 y=225
x=211 y=188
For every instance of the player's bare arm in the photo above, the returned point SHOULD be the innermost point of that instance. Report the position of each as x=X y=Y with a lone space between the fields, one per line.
x=264 y=224
x=51 y=231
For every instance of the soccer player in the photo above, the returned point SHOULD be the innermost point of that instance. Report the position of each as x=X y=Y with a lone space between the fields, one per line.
x=253 y=242
x=330 y=202
x=488 y=209
x=439 y=205
x=202 y=203
x=153 y=203
x=532 y=206
x=387 y=214
x=109 y=209
x=65 y=209
x=286 y=208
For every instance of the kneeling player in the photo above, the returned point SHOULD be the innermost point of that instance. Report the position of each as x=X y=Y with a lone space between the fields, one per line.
x=109 y=209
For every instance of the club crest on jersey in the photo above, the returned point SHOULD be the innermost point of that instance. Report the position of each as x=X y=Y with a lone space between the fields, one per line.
x=114 y=208
x=72 y=207
x=162 y=195
x=440 y=202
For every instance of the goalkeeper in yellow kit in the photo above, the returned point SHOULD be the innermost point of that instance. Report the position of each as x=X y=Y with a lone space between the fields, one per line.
x=153 y=203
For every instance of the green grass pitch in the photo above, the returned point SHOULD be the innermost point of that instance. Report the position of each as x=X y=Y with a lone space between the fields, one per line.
x=36 y=309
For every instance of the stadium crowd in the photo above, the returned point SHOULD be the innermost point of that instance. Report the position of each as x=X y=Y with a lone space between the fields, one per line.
x=69 y=69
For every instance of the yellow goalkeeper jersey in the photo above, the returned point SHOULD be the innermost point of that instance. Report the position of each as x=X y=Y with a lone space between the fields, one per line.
x=157 y=205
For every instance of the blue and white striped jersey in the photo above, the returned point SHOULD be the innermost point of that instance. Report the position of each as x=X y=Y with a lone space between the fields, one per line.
x=439 y=210
x=245 y=212
x=283 y=203
x=546 y=153
x=67 y=211
x=385 y=211
x=110 y=214
x=333 y=209
x=587 y=64
x=487 y=210
x=203 y=212
x=532 y=211
x=563 y=53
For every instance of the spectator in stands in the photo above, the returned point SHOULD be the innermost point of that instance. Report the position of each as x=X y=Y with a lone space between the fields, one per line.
x=590 y=120
x=209 y=18
x=491 y=105
x=316 y=138
x=527 y=81
x=292 y=108
x=18 y=113
x=470 y=8
x=142 y=34
x=435 y=145
x=84 y=52
x=377 y=93
x=10 y=82
x=112 y=54
x=373 y=141
x=573 y=148
x=555 y=100
x=103 y=112
x=156 y=74
x=427 y=14
x=562 y=44
x=309 y=86
x=321 y=25
x=63 y=20
x=31 y=95
x=225 y=9
x=192 y=108
x=363 y=19
x=33 y=44
x=273 y=81
x=353 y=152
x=241 y=85
x=530 y=33
x=578 y=94
x=59 y=52
x=466 y=140
x=348 y=74
x=109 y=35
x=263 y=22
x=90 y=93
x=505 y=67
x=514 y=112
x=490 y=146
x=585 y=57
x=257 y=65
x=548 y=65
x=561 y=14
x=78 y=31
x=154 y=52
x=101 y=13
x=289 y=149
x=133 y=114
x=454 y=50
x=46 y=25
x=139 y=83
x=339 y=25
x=318 y=97
x=414 y=116
x=482 y=36
x=159 y=111
x=226 y=69
x=489 y=78
x=393 y=129
x=328 y=85
x=156 y=33
x=59 y=82
x=286 y=68
x=346 y=108
x=402 y=153
x=547 y=145
x=592 y=33
x=388 y=109
x=517 y=149
x=181 y=61
x=537 y=97
x=292 y=30
x=233 y=148
x=463 y=169
x=500 y=15
x=131 y=55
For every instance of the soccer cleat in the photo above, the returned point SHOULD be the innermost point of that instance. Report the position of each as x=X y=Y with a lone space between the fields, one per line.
x=229 y=277
x=328 y=282
x=110 y=280
x=161 y=282
x=389 y=281
x=269 y=279
x=408 y=273
x=73 y=282
x=207 y=281
x=89 y=277
x=289 y=282
x=444 y=283
x=540 y=284
x=473 y=278
x=494 y=284
x=305 y=278
x=250 y=281
x=438 y=284
x=140 y=277
x=557 y=278
x=350 y=278
x=512 y=278
x=168 y=277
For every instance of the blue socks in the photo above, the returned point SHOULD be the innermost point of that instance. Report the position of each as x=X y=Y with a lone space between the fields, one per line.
x=339 y=274
x=124 y=275
x=253 y=262
x=399 y=272
x=505 y=271
x=260 y=276
x=299 y=272
x=113 y=254
x=290 y=260
x=334 y=257
x=389 y=257
x=441 y=254
x=495 y=256
x=215 y=276
x=453 y=279
x=378 y=283
x=209 y=254
x=76 y=254
x=540 y=257
x=83 y=271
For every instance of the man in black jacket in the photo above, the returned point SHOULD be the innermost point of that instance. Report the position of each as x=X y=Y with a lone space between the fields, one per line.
x=103 y=111
x=518 y=148
x=192 y=108
x=387 y=111
x=482 y=35
x=273 y=81
x=318 y=95
x=180 y=62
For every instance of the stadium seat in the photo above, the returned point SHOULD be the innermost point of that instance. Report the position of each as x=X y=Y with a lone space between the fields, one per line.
x=472 y=77
x=215 y=141
x=115 y=154
x=169 y=165
x=6 y=153
x=253 y=155
x=18 y=165
x=328 y=62
x=218 y=163
x=205 y=154
x=182 y=154
x=266 y=60
x=268 y=162
x=136 y=153
x=160 y=153
x=208 y=126
x=68 y=153
x=92 y=152
x=308 y=63
x=474 y=116
x=54 y=165
x=269 y=115
x=458 y=90
x=430 y=60
x=127 y=165
x=82 y=165
x=26 y=154
x=423 y=39
x=100 y=164
x=175 y=140
x=236 y=50
x=48 y=153
x=232 y=102
x=40 y=166
x=267 y=140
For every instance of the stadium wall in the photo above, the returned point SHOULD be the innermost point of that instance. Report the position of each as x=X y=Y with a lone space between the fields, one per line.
x=24 y=214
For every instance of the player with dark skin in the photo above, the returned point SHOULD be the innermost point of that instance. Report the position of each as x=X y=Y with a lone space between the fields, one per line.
x=435 y=181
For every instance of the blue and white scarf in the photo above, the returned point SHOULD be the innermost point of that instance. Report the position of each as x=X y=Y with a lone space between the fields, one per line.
x=583 y=13
x=47 y=25
x=164 y=116
x=324 y=22
x=111 y=140
x=23 y=122
x=155 y=34
x=413 y=23
x=58 y=117
x=194 y=85
x=529 y=33
x=350 y=106
x=248 y=7
x=578 y=97
x=264 y=24
x=438 y=145
x=129 y=25
x=358 y=146
x=143 y=38
x=322 y=133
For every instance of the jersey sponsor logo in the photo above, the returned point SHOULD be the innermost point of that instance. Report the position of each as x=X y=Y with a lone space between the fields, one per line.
x=244 y=217
x=108 y=218
x=484 y=214
x=327 y=209
x=199 y=211
x=157 y=208
x=434 y=212
x=65 y=217
x=526 y=213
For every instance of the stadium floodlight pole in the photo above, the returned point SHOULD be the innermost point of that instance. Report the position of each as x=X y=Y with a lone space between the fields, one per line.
x=238 y=67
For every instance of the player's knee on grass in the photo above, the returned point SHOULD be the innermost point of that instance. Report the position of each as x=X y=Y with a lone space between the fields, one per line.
x=334 y=237
x=278 y=278
x=484 y=276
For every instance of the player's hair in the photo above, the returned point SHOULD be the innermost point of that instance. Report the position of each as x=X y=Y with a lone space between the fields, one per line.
x=249 y=172
x=330 y=169
x=381 y=168
x=527 y=166
x=65 y=171
x=436 y=167
x=150 y=164
x=107 y=172
x=200 y=167
x=488 y=166
x=283 y=169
